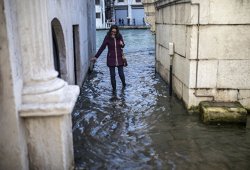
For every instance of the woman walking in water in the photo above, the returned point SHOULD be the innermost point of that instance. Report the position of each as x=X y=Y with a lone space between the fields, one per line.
x=115 y=44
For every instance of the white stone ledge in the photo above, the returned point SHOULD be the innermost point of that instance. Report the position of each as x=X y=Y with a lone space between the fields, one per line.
x=44 y=110
x=195 y=24
x=70 y=94
x=163 y=3
x=43 y=87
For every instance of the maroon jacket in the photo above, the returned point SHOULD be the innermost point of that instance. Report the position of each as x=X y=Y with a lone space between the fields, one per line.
x=114 y=56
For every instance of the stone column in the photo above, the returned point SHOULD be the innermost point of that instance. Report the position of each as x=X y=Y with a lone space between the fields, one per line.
x=129 y=11
x=103 y=14
x=149 y=9
x=47 y=101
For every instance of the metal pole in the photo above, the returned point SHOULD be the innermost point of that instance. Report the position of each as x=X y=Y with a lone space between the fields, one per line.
x=170 y=81
x=171 y=54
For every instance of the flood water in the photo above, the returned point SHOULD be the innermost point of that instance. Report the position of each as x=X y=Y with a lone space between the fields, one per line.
x=141 y=127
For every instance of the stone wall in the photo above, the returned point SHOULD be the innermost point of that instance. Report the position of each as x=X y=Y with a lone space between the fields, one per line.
x=211 y=40
x=149 y=9
x=13 y=149
x=35 y=104
x=80 y=12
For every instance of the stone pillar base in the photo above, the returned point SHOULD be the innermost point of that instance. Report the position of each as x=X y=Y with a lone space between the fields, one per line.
x=49 y=129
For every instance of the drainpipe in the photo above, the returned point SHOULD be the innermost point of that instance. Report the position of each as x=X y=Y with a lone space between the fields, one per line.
x=156 y=46
x=197 y=56
x=171 y=54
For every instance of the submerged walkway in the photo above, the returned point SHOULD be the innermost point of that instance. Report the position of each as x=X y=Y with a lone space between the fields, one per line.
x=142 y=127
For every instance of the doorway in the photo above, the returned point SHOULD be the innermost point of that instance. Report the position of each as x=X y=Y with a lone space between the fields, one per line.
x=59 y=52
x=76 y=46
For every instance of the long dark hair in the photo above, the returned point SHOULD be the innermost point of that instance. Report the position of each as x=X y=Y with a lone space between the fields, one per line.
x=117 y=35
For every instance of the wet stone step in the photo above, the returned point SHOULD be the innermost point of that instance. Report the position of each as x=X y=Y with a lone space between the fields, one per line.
x=223 y=112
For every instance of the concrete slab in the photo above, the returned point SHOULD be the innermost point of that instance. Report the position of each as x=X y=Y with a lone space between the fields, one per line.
x=223 y=112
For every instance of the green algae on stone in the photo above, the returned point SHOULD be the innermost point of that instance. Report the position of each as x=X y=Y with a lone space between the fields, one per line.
x=222 y=112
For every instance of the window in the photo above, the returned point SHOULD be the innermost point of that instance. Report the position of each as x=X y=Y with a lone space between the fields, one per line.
x=98 y=15
x=97 y=2
x=120 y=0
x=137 y=0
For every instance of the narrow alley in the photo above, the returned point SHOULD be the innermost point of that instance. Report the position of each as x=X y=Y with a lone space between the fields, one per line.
x=142 y=127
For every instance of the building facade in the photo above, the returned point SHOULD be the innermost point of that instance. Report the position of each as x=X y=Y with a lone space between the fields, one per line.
x=109 y=9
x=211 y=49
x=129 y=12
x=45 y=49
x=100 y=14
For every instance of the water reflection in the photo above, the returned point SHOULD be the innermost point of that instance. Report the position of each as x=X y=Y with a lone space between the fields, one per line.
x=141 y=127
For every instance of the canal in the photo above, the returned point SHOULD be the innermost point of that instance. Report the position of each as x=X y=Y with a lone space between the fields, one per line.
x=141 y=127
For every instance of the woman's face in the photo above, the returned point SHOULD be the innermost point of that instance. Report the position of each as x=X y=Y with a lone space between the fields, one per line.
x=113 y=32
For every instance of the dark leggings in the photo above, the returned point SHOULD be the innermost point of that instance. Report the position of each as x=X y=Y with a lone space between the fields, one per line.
x=112 y=76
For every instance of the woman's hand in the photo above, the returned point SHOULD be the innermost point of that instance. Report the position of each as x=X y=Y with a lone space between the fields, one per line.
x=93 y=59
x=121 y=43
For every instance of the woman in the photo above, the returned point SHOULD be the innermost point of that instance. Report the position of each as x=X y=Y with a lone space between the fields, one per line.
x=115 y=43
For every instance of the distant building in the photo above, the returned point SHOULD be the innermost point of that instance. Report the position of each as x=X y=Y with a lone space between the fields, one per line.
x=100 y=13
x=104 y=13
x=129 y=12
x=109 y=9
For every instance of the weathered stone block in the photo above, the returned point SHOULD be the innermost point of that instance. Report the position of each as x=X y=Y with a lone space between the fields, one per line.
x=244 y=98
x=183 y=14
x=192 y=73
x=159 y=14
x=178 y=87
x=226 y=95
x=163 y=56
x=215 y=42
x=194 y=13
x=207 y=73
x=223 y=112
x=166 y=14
x=181 y=69
x=229 y=12
x=233 y=74
x=162 y=71
x=191 y=42
x=179 y=39
x=194 y=99
x=166 y=35
x=169 y=15
x=160 y=38
x=204 y=10
x=185 y=94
